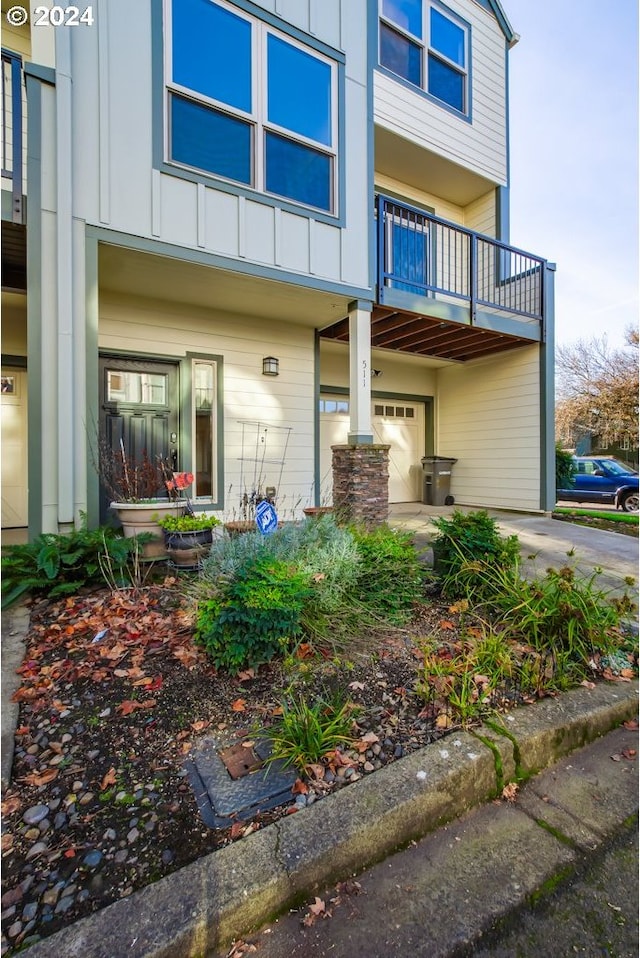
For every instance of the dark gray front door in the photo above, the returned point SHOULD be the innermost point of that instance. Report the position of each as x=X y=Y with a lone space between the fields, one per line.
x=139 y=408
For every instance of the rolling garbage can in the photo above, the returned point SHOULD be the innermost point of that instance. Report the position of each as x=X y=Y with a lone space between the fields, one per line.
x=437 y=480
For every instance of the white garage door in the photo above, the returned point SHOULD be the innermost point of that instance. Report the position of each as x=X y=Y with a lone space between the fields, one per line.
x=396 y=422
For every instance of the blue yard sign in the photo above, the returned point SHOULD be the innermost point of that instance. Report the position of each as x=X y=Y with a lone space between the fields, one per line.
x=266 y=518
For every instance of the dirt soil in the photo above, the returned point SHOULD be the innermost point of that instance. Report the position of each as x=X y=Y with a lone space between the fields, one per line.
x=114 y=696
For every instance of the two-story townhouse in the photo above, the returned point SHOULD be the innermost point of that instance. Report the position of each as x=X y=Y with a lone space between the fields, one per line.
x=252 y=231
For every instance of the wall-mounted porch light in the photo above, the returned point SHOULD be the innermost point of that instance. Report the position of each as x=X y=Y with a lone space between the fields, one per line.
x=270 y=366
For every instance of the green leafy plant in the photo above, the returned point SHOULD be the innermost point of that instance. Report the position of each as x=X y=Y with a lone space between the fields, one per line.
x=61 y=564
x=565 y=468
x=390 y=576
x=255 y=615
x=467 y=543
x=188 y=523
x=305 y=732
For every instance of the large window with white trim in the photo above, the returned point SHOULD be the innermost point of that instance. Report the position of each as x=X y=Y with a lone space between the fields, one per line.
x=251 y=104
x=427 y=45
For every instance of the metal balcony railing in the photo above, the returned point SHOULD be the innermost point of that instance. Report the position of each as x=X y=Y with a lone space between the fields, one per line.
x=13 y=129
x=461 y=273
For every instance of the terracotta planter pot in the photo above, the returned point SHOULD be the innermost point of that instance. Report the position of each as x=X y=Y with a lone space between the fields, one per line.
x=137 y=517
x=312 y=512
x=240 y=526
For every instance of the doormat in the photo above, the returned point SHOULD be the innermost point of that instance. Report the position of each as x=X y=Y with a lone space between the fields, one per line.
x=232 y=782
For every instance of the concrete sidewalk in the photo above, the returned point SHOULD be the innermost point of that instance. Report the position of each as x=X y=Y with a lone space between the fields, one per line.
x=444 y=895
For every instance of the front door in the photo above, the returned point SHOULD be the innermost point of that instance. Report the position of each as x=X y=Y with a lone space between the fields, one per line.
x=139 y=411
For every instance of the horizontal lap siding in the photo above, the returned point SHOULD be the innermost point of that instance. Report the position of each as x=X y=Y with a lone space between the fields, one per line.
x=488 y=418
x=158 y=328
x=480 y=145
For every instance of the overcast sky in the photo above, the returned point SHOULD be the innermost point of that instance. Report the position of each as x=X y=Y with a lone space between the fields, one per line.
x=574 y=156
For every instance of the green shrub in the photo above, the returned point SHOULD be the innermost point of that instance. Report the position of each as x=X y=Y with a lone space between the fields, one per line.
x=565 y=468
x=465 y=545
x=390 y=575
x=254 y=615
x=61 y=564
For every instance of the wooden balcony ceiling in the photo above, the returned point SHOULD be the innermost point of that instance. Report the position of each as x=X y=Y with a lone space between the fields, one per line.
x=426 y=336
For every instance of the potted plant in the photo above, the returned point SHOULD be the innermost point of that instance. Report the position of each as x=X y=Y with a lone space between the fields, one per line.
x=141 y=492
x=188 y=537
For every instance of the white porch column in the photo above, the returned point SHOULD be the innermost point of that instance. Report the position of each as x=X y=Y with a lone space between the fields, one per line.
x=360 y=431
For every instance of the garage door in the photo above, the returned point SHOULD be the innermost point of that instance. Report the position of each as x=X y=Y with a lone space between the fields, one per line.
x=396 y=422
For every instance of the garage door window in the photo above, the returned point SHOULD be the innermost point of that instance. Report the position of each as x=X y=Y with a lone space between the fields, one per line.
x=394 y=412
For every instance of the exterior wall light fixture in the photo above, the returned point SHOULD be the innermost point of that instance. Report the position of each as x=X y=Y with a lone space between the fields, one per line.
x=270 y=366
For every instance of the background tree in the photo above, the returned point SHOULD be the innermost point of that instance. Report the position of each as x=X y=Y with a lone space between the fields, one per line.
x=597 y=391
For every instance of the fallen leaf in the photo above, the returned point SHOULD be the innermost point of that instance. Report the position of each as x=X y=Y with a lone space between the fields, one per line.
x=237 y=829
x=629 y=753
x=632 y=725
x=248 y=744
x=109 y=779
x=443 y=721
x=315 y=771
x=357 y=686
x=239 y=705
x=299 y=787
x=617 y=757
x=587 y=684
x=70 y=853
x=446 y=624
x=510 y=791
x=41 y=778
x=7 y=842
x=247 y=675
x=318 y=906
x=11 y=805
x=128 y=706
x=626 y=673
x=199 y=725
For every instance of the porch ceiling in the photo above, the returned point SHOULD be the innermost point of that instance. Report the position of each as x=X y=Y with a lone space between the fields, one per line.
x=423 y=336
x=418 y=167
x=133 y=273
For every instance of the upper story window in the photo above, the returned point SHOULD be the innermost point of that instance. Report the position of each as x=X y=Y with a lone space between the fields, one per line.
x=251 y=104
x=427 y=45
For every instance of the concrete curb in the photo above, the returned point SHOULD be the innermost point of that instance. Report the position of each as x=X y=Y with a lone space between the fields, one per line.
x=14 y=633
x=227 y=894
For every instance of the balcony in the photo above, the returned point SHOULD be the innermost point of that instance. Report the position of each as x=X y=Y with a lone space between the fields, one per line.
x=448 y=292
x=13 y=136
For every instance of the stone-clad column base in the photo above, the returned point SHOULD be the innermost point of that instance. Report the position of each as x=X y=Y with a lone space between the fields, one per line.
x=361 y=483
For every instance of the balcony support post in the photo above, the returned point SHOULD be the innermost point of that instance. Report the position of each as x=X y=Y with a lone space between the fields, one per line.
x=360 y=431
x=473 y=277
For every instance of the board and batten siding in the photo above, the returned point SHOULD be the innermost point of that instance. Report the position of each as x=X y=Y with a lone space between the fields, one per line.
x=116 y=185
x=488 y=417
x=481 y=145
x=135 y=325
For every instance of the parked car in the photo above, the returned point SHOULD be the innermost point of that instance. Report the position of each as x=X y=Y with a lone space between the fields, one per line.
x=605 y=480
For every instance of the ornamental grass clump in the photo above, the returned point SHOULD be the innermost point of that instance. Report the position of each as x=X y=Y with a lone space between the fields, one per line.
x=306 y=732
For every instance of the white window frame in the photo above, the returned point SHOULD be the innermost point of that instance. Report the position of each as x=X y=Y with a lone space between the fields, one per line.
x=427 y=50
x=258 y=117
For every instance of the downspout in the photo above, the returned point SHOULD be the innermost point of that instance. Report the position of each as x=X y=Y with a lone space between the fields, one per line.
x=64 y=293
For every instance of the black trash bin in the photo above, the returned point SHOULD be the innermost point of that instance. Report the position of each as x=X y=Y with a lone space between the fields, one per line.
x=437 y=480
